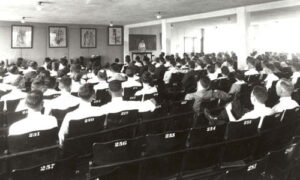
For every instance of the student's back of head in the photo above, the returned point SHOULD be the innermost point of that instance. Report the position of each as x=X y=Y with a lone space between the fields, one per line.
x=50 y=82
x=205 y=82
x=260 y=93
x=13 y=69
x=284 y=88
x=146 y=78
x=38 y=84
x=102 y=75
x=86 y=92
x=225 y=71
x=34 y=100
x=129 y=71
x=115 y=88
x=65 y=83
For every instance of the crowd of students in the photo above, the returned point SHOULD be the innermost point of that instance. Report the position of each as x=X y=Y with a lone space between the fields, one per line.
x=62 y=85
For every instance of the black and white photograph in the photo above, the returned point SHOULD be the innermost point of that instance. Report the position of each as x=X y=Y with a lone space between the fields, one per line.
x=21 y=37
x=115 y=36
x=58 y=37
x=88 y=38
x=150 y=90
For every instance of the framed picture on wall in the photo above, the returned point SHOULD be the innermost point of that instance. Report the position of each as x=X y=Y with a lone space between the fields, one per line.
x=58 y=37
x=115 y=36
x=21 y=37
x=88 y=38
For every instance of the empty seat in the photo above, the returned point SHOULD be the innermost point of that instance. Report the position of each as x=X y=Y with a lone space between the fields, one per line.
x=86 y=125
x=130 y=92
x=117 y=151
x=103 y=95
x=32 y=140
x=62 y=169
x=121 y=118
x=243 y=137
x=60 y=114
x=12 y=117
x=166 y=142
x=207 y=135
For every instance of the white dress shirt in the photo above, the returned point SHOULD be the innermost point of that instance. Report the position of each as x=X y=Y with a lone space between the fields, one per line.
x=213 y=76
x=35 y=121
x=75 y=86
x=295 y=77
x=168 y=74
x=251 y=72
x=270 y=79
x=14 y=94
x=284 y=104
x=50 y=92
x=131 y=82
x=147 y=89
x=101 y=85
x=117 y=104
x=84 y=110
x=11 y=78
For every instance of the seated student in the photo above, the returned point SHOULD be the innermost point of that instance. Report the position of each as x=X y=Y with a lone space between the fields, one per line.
x=12 y=75
x=50 y=83
x=190 y=74
x=117 y=103
x=251 y=67
x=65 y=100
x=271 y=77
x=131 y=82
x=16 y=90
x=54 y=68
x=114 y=73
x=172 y=69
x=205 y=94
x=211 y=73
x=236 y=86
x=225 y=73
x=296 y=72
x=147 y=88
x=35 y=121
x=259 y=97
x=86 y=94
x=76 y=82
x=284 y=89
x=31 y=68
x=102 y=84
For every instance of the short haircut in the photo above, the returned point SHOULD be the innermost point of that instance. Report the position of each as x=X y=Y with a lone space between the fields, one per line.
x=115 y=67
x=77 y=77
x=75 y=68
x=205 y=82
x=50 y=82
x=173 y=62
x=239 y=75
x=102 y=74
x=192 y=64
x=251 y=61
x=13 y=69
x=146 y=78
x=270 y=66
x=129 y=72
x=38 y=83
x=86 y=91
x=115 y=86
x=34 y=99
x=151 y=68
x=225 y=70
x=65 y=81
x=64 y=61
x=260 y=93
x=286 y=85
x=211 y=68
x=33 y=64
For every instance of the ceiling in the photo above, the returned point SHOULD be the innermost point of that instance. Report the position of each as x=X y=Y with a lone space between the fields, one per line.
x=101 y=12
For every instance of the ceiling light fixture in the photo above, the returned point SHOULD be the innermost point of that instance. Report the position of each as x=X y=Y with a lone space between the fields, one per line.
x=111 y=24
x=39 y=6
x=158 y=16
x=23 y=20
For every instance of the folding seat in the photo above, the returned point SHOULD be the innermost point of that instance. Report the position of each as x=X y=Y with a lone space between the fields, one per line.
x=3 y=120
x=252 y=79
x=175 y=81
x=3 y=141
x=154 y=96
x=60 y=114
x=201 y=73
x=96 y=173
x=166 y=142
x=273 y=98
x=12 y=117
x=118 y=151
x=207 y=135
x=209 y=104
x=242 y=141
x=135 y=98
x=121 y=118
x=166 y=166
x=32 y=140
x=103 y=95
x=245 y=94
x=269 y=131
x=53 y=96
x=253 y=170
x=200 y=119
x=130 y=92
x=11 y=105
x=126 y=170
x=86 y=125
x=1 y=106
x=201 y=160
x=61 y=169
x=180 y=107
x=153 y=122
